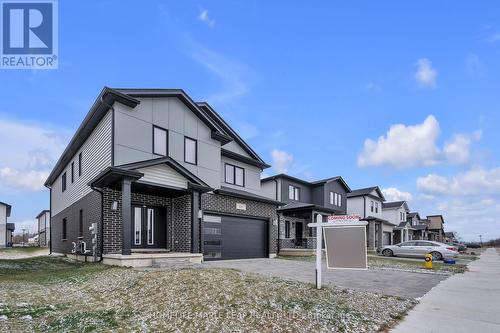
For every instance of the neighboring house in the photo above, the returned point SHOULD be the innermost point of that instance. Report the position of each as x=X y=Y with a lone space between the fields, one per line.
x=436 y=228
x=367 y=203
x=396 y=213
x=450 y=237
x=159 y=172
x=420 y=225
x=43 y=220
x=6 y=229
x=303 y=201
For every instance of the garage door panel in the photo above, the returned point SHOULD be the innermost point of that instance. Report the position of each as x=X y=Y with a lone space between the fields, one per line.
x=240 y=238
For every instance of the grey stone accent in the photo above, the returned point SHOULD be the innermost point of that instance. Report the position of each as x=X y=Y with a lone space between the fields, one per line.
x=181 y=217
x=91 y=208
x=227 y=204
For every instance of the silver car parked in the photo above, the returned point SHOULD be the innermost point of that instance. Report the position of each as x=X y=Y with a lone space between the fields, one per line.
x=419 y=248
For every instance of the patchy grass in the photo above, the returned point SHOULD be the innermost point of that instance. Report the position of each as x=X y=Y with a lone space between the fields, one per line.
x=398 y=263
x=54 y=295
x=22 y=252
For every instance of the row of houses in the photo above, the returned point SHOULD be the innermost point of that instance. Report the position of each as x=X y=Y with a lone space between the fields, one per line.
x=155 y=171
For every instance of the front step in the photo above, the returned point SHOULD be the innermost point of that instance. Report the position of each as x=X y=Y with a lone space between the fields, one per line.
x=174 y=263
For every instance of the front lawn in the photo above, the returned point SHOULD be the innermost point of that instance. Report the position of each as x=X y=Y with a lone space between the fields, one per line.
x=379 y=262
x=53 y=294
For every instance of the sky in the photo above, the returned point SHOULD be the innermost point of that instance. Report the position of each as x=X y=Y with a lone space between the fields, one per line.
x=399 y=94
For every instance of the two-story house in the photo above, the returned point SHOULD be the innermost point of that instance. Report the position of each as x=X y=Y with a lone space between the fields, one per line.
x=396 y=212
x=6 y=229
x=160 y=176
x=43 y=221
x=420 y=226
x=303 y=201
x=436 y=228
x=367 y=203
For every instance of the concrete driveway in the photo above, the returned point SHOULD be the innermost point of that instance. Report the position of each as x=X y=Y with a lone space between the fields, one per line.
x=396 y=283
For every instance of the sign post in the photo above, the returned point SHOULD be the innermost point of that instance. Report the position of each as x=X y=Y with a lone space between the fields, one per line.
x=319 y=243
x=345 y=243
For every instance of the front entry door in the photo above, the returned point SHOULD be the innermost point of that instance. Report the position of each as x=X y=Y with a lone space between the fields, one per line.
x=298 y=233
x=148 y=227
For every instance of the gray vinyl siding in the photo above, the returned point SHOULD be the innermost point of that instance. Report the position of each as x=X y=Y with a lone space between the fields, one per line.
x=305 y=193
x=96 y=156
x=335 y=187
x=252 y=176
x=134 y=140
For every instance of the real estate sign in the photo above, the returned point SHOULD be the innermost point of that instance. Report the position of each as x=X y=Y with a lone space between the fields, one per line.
x=345 y=242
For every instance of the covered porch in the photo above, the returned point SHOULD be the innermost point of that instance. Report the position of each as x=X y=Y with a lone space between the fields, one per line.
x=378 y=232
x=151 y=214
x=294 y=236
x=403 y=233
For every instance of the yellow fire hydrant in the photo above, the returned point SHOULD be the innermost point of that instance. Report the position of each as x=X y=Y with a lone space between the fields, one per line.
x=428 y=261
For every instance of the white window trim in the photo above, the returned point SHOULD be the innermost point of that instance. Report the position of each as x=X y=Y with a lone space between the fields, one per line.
x=137 y=226
x=331 y=198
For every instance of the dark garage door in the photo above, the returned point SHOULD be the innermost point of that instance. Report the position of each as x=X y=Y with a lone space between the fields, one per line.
x=229 y=237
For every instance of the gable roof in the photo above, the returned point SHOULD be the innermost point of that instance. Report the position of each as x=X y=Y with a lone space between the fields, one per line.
x=9 y=207
x=394 y=204
x=366 y=191
x=231 y=132
x=313 y=183
x=171 y=163
x=104 y=102
x=413 y=214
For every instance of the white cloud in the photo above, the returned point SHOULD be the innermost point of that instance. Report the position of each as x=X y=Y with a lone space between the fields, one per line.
x=493 y=38
x=457 y=151
x=403 y=146
x=476 y=181
x=394 y=194
x=203 y=16
x=282 y=160
x=425 y=75
x=416 y=145
x=235 y=77
x=474 y=66
x=32 y=150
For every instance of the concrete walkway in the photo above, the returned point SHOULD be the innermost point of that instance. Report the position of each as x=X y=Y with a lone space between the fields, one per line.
x=468 y=302
x=388 y=282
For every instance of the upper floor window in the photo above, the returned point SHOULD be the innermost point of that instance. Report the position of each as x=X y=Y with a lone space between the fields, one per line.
x=72 y=172
x=376 y=207
x=331 y=198
x=293 y=192
x=190 y=150
x=80 y=164
x=160 y=141
x=63 y=182
x=338 y=199
x=371 y=206
x=234 y=175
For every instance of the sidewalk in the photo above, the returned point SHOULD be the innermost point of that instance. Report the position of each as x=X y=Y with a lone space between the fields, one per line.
x=468 y=302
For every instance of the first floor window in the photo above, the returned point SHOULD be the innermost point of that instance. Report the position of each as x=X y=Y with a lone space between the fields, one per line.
x=151 y=223
x=64 y=230
x=137 y=226
x=80 y=223
x=160 y=141
x=190 y=150
x=287 y=229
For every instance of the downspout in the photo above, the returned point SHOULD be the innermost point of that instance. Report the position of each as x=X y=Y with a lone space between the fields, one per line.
x=50 y=222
